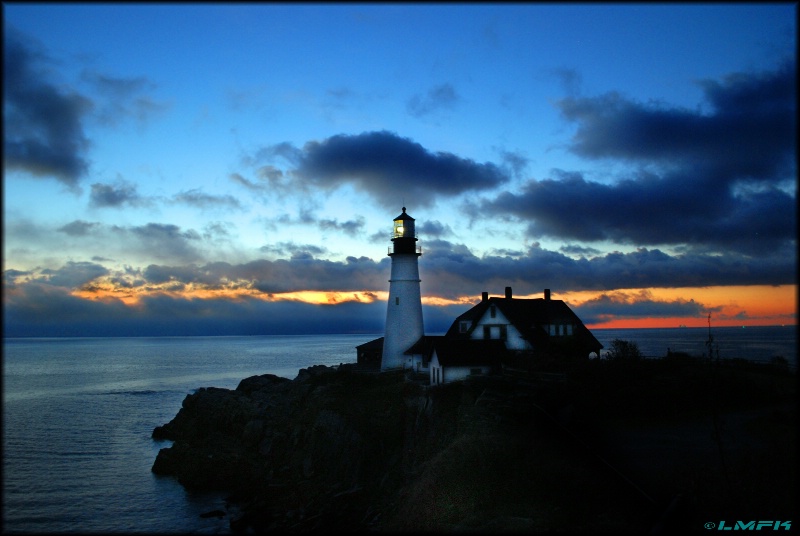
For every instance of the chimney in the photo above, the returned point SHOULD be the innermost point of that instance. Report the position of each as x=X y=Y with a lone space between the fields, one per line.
x=484 y=296
x=508 y=293
x=547 y=294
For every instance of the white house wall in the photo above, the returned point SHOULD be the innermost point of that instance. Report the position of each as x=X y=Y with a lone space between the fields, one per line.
x=514 y=340
x=440 y=374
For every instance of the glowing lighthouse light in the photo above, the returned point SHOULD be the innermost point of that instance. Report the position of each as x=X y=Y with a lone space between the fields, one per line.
x=404 y=307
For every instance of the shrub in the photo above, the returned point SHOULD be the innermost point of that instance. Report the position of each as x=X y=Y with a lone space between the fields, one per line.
x=623 y=350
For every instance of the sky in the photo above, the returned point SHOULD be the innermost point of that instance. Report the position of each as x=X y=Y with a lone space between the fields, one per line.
x=234 y=169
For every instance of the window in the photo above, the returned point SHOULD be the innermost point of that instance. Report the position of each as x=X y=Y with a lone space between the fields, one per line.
x=493 y=311
x=397 y=300
x=569 y=329
x=487 y=332
x=503 y=333
x=552 y=330
x=463 y=327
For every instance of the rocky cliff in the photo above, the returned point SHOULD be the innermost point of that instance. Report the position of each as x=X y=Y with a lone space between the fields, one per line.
x=339 y=449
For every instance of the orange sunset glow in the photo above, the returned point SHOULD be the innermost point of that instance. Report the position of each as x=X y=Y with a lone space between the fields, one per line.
x=756 y=305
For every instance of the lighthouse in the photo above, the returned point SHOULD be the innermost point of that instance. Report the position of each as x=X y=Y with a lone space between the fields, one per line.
x=404 y=307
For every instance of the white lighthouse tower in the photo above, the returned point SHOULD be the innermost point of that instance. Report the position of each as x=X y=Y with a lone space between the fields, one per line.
x=404 y=308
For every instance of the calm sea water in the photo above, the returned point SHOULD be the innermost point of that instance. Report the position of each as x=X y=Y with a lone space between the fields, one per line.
x=78 y=414
x=752 y=343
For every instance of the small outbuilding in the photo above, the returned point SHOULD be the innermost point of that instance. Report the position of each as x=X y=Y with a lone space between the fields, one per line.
x=456 y=359
x=368 y=355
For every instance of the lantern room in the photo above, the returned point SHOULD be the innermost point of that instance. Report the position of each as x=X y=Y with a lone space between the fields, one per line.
x=404 y=236
x=403 y=226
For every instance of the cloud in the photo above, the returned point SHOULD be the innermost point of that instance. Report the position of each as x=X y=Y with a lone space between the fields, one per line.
x=74 y=274
x=619 y=305
x=749 y=132
x=117 y=195
x=385 y=166
x=44 y=134
x=42 y=310
x=570 y=80
x=713 y=180
x=431 y=229
x=301 y=272
x=449 y=270
x=270 y=180
x=583 y=251
x=349 y=227
x=198 y=199
x=437 y=98
x=121 y=98
x=651 y=210
x=163 y=241
x=33 y=244
x=293 y=250
x=78 y=228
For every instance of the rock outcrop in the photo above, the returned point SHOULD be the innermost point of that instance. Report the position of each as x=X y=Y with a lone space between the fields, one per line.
x=342 y=449
x=313 y=451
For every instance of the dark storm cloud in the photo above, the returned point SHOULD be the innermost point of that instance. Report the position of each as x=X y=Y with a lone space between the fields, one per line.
x=450 y=270
x=117 y=195
x=387 y=167
x=43 y=131
x=713 y=180
x=652 y=210
x=437 y=98
x=748 y=133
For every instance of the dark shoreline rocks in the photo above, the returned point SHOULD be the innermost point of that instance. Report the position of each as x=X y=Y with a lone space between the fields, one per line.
x=340 y=449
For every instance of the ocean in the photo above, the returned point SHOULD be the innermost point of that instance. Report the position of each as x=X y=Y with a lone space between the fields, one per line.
x=78 y=414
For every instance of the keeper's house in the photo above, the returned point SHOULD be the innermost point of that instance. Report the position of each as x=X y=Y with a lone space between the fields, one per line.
x=541 y=326
x=496 y=332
